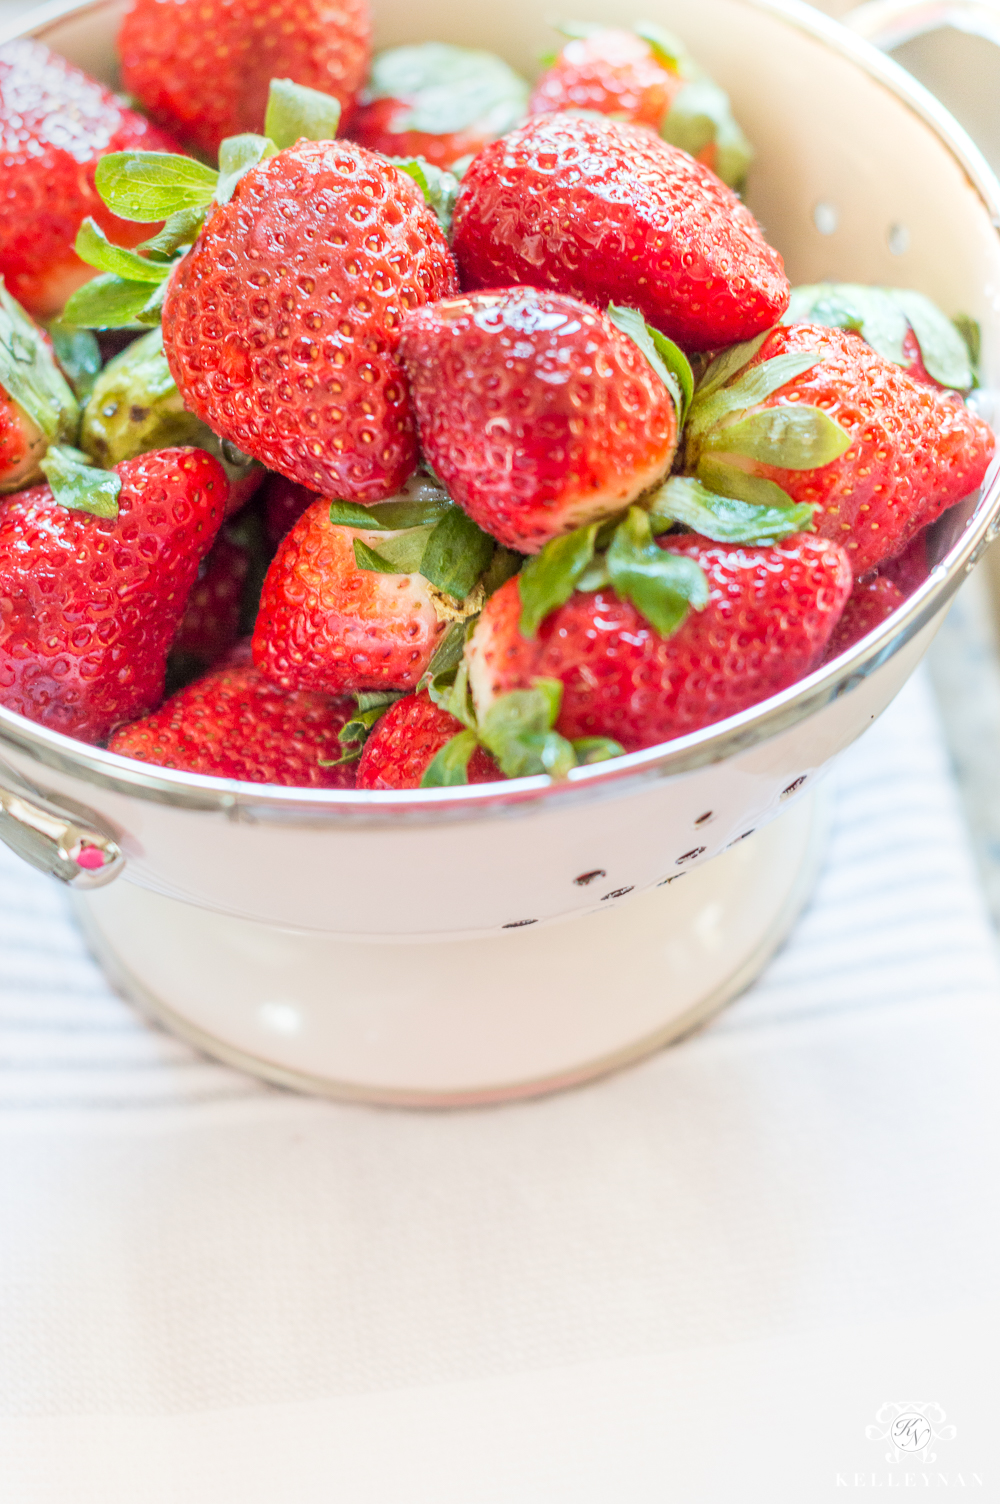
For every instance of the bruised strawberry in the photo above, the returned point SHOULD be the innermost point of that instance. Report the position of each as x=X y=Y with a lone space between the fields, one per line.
x=89 y=604
x=282 y=323
x=871 y=603
x=536 y=411
x=438 y=102
x=609 y=213
x=646 y=77
x=769 y=615
x=55 y=125
x=204 y=71
x=815 y=416
x=406 y=741
x=328 y=625
x=284 y=503
x=235 y=723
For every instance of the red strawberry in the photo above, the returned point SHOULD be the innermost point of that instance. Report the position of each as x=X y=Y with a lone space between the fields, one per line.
x=204 y=71
x=871 y=603
x=437 y=102
x=284 y=503
x=89 y=605
x=406 y=741
x=878 y=454
x=536 y=412
x=211 y=623
x=55 y=125
x=909 y=569
x=768 y=619
x=325 y=624
x=611 y=72
x=282 y=323
x=22 y=445
x=609 y=213
x=234 y=723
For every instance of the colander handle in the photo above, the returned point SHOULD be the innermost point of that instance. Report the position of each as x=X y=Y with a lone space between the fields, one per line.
x=69 y=846
x=890 y=23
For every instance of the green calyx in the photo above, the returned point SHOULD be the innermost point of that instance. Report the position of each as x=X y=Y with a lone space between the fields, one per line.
x=79 y=357
x=725 y=518
x=148 y=186
x=883 y=316
x=449 y=89
x=430 y=537
x=30 y=376
x=667 y=359
x=371 y=707
x=77 y=484
x=439 y=188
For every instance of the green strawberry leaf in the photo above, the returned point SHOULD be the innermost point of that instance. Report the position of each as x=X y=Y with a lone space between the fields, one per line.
x=77 y=484
x=503 y=566
x=663 y=586
x=700 y=115
x=238 y=155
x=591 y=749
x=792 y=437
x=595 y=576
x=668 y=361
x=448 y=653
x=389 y=516
x=738 y=485
x=549 y=578
x=749 y=390
x=30 y=375
x=517 y=729
x=450 y=690
x=79 y=357
x=725 y=519
x=152 y=312
x=439 y=187
x=371 y=707
x=107 y=302
x=727 y=365
x=294 y=112
x=868 y=311
x=457 y=553
x=180 y=230
x=94 y=247
x=401 y=554
x=450 y=767
x=449 y=89
x=972 y=336
x=943 y=350
x=151 y=185
x=668 y=50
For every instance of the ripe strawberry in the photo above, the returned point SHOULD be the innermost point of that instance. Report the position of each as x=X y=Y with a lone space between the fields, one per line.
x=909 y=569
x=406 y=741
x=234 y=723
x=55 y=125
x=769 y=616
x=537 y=413
x=645 y=77
x=871 y=603
x=437 y=102
x=325 y=624
x=210 y=626
x=89 y=605
x=609 y=213
x=22 y=445
x=821 y=415
x=282 y=322
x=284 y=503
x=37 y=404
x=204 y=72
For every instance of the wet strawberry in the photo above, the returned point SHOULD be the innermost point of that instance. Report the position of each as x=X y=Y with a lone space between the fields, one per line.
x=211 y=623
x=406 y=741
x=819 y=414
x=284 y=503
x=282 y=323
x=769 y=616
x=326 y=624
x=37 y=404
x=437 y=102
x=536 y=411
x=871 y=603
x=609 y=213
x=204 y=71
x=89 y=605
x=55 y=125
x=235 y=723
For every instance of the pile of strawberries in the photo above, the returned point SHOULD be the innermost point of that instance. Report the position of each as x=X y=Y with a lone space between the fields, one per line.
x=449 y=431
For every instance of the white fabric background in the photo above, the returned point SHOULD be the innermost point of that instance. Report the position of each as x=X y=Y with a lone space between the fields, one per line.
x=709 y=1270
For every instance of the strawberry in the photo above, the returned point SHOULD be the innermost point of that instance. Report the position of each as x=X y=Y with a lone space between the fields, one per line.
x=282 y=322
x=763 y=623
x=646 y=77
x=37 y=405
x=437 y=102
x=284 y=503
x=816 y=416
x=609 y=213
x=909 y=569
x=327 y=624
x=204 y=71
x=55 y=125
x=89 y=604
x=871 y=603
x=406 y=741
x=234 y=723
x=900 y=324
x=536 y=411
x=210 y=626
